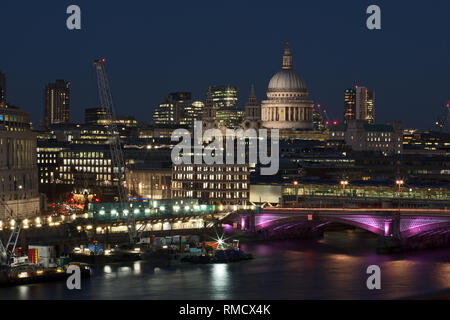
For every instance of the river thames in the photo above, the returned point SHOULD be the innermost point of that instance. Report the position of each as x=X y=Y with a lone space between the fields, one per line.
x=333 y=267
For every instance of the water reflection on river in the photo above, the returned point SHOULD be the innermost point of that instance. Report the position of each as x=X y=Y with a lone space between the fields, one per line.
x=330 y=268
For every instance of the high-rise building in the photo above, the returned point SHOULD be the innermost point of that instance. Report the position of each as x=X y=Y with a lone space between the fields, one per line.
x=2 y=89
x=349 y=104
x=164 y=114
x=192 y=112
x=180 y=100
x=177 y=109
x=359 y=104
x=370 y=102
x=224 y=102
x=209 y=112
x=224 y=96
x=95 y=116
x=57 y=102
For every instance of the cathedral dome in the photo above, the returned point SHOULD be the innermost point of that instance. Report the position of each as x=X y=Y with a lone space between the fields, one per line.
x=287 y=105
x=287 y=80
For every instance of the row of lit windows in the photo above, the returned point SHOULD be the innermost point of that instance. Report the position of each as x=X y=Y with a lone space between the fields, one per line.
x=181 y=176
x=383 y=134
x=88 y=169
x=212 y=168
x=81 y=155
x=220 y=186
x=46 y=161
x=379 y=139
x=87 y=161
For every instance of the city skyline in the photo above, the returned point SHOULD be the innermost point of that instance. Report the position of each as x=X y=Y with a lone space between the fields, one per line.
x=224 y=151
x=214 y=59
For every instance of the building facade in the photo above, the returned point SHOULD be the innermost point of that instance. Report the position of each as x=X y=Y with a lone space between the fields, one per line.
x=192 y=112
x=217 y=184
x=149 y=183
x=95 y=116
x=385 y=138
x=224 y=101
x=359 y=104
x=164 y=114
x=57 y=103
x=19 y=196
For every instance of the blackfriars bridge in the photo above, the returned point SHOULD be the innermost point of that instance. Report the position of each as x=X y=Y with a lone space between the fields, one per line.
x=412 y=228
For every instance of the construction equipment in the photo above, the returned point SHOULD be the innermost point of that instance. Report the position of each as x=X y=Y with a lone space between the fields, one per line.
x=119 y=170
x=8 y=252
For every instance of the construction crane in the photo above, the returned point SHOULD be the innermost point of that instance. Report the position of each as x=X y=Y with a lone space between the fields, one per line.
x=117 y=159
x=7 y=252
x=324 y=114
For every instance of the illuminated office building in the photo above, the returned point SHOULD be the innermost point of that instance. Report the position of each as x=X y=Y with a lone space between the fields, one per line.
x=192 y=112
x=223 y=102
x=148 y=182
x=370 y=105
x=218 y=184
x=99 y=116
x=359 y=104
x=180 y=100
x=164 y=114
x=19 y=195
x=57 y=103
x=95 y=116
x=349 y=104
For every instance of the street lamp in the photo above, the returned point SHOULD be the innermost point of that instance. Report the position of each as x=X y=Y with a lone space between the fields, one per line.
x=18 y=199
x=399 y=182
x=296 y=192
x=343 y=184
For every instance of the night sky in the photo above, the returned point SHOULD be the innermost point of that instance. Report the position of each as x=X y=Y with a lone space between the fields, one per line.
x=156 y=47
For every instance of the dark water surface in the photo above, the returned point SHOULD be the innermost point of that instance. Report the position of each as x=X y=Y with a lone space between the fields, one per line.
x=330 y=268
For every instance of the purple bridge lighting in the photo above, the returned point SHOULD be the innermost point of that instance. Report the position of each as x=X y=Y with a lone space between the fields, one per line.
x=403 y=224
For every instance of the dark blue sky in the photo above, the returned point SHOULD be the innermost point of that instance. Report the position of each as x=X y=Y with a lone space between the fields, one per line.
x=156 y=47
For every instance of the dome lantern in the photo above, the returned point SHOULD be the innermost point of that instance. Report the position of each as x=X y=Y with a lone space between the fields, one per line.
x=287 y=57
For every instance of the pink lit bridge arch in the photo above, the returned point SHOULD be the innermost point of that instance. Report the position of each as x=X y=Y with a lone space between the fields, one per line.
x=403 y=224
